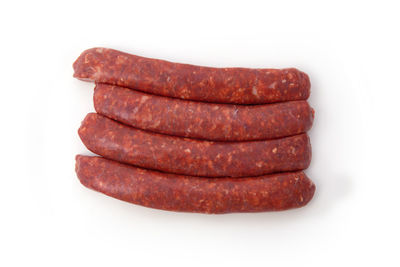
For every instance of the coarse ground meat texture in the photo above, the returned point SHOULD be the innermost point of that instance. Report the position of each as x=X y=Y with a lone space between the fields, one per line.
x=219 y=85
x=122 y=143
x=172 y=192
x=209 y=121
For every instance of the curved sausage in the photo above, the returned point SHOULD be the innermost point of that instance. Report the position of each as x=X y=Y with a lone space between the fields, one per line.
x=166 y=153
x=219 y=85
x=172 y=192
x=218 y=122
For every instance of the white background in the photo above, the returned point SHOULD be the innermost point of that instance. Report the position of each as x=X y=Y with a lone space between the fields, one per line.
x=350 y=49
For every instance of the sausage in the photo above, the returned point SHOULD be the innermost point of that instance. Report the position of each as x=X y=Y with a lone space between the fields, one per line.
x=218 y=122
x=219 y=85
x=173 y=192
x=178 y=155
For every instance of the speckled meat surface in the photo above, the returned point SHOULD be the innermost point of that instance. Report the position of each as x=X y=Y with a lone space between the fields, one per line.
x=166 y=153
x=219 y=85
x=218 y=122
x=173 y=192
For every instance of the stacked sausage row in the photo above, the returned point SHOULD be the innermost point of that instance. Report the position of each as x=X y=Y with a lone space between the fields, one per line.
x=188 y=138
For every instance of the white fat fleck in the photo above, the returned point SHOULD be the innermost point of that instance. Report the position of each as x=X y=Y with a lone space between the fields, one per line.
x=259 y=164
x=272 y=85
x=96 y=74
x=144 y=99
x=187 y=150
x=254 y=91
x=121 y=59
x=87 y=59
x=156 y=123
x=283 y=81
x=168 y=79
x=235 y=111
x=99 y=50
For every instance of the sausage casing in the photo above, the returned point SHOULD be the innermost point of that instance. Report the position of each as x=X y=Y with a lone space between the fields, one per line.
x=219 y=85
x=172 y=192
x=122 y=143
x=209 y=121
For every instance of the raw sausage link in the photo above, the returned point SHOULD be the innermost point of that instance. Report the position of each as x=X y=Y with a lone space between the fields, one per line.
x=219 y=122
x=172 y=192
x=116 y=141
x=219 y=85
